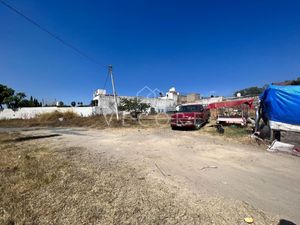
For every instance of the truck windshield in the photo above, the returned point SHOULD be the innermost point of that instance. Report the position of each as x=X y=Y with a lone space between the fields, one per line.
x=191 y=108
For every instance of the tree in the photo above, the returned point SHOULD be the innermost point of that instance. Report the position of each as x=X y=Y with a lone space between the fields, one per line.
x=134 y=106
x=5 y=92
x=36 y=103
x=14 y=101
x=24 y=103
x=73 y=104
x=251 y=91
x=296 y=82
x=60 y=104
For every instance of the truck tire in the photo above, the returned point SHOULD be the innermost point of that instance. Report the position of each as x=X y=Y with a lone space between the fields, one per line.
x=174 y=128
x=265 y=132
x=198 y=124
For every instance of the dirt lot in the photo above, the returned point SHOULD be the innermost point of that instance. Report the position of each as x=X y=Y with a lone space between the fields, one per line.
x=142 y=176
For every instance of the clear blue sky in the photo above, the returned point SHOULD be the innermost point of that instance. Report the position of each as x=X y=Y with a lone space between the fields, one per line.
x=196 y=46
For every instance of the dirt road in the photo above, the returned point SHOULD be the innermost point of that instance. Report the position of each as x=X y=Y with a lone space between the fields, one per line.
x=197 y=163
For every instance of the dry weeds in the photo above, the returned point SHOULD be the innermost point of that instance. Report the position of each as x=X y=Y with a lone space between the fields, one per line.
x=41 y=184
x=71 y=119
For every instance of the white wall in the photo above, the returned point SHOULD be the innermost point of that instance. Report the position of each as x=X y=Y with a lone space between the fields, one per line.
x=105 y=106
x=27 y=113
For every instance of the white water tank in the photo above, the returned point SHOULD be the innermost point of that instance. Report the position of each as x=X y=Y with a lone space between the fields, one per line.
x=100 y=92
x=172 y=89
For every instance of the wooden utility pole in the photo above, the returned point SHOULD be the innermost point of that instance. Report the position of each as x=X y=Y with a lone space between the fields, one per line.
x=114 y=90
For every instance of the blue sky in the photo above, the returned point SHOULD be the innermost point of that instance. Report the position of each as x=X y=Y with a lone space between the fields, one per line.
x=195 y=46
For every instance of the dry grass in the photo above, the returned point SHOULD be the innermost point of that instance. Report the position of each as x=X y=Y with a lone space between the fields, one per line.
x=71 y=119
x=231 y=132
x=54 y=116
x=46 y=184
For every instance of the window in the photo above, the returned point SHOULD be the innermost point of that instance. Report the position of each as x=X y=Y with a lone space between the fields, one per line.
x=191 y=108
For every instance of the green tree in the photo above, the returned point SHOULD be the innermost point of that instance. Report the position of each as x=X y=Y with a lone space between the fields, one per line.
x=14 y=101
x=24 y=103
x=32 y=102
x=60 y=104
x=73 y=104
x=251 y=91
x=36 y=103
x=296 y=82
x=5 y=92
x=135 y=106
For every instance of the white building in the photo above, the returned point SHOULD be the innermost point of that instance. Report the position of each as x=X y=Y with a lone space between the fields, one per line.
x=171 y=94
x=158 y=103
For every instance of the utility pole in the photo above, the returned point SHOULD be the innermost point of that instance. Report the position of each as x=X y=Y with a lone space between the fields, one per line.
x=114 y=90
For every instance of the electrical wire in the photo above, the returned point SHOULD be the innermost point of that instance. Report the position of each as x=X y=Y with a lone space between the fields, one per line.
x=71 y=46
x=106 y=79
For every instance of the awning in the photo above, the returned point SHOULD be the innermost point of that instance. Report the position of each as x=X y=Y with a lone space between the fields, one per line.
x=232 y=103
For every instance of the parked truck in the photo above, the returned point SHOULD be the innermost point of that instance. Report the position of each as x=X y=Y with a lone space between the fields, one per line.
x=190 y=116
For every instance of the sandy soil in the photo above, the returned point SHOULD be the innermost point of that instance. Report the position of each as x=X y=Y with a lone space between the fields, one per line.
x=223 y=180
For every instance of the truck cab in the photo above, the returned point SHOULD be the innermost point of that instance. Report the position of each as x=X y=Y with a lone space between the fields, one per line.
x=190 y=116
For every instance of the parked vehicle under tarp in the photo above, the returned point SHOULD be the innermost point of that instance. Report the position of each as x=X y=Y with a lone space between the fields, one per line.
x=280 y=107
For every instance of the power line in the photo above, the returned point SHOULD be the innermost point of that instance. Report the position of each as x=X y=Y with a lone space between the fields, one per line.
x=106 y=79
x=52 y=34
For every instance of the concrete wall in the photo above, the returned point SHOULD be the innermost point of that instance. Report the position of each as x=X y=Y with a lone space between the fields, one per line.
x=182 y=99
x=27 y=113
x=193 y=97
x=106 y=106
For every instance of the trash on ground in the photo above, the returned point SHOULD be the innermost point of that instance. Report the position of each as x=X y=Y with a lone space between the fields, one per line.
x=281 y=147
x=278 y=146
x=249 y=220
x=208 y=167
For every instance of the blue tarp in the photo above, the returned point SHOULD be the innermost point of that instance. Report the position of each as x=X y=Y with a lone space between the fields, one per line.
x=282 y=104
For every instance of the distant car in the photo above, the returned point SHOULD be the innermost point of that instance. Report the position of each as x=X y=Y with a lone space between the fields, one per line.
x=190 y=116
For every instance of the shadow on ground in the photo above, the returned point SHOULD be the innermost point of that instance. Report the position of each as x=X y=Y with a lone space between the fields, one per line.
x=27 y=138
x=285 y=222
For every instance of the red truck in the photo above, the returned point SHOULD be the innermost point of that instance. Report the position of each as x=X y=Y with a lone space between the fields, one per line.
x=190 y=116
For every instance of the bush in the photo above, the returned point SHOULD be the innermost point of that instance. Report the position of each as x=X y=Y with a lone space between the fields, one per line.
x=54 y=116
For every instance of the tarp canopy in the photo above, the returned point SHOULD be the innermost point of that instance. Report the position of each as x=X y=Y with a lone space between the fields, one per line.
x=232 y=103
x=281 y=104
